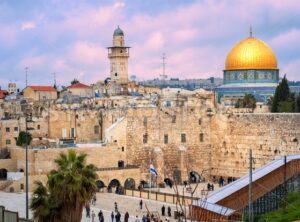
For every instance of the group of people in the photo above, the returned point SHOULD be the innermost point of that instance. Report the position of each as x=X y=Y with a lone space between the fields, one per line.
x=116 y=215
x=210 y=187
x=163 y=210
x=221 y=181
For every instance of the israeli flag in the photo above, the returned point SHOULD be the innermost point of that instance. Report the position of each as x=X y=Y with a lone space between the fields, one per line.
x=153 y=170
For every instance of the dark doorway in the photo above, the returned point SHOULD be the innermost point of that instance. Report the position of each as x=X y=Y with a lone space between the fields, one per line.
x=129 y=183
x=3 y=174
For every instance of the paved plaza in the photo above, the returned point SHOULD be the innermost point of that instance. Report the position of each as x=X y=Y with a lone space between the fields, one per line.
x=105 y=203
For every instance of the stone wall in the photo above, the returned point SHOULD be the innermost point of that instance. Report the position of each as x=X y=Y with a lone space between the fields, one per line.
x=268 y=135
x=42 y=161
x=186 y=116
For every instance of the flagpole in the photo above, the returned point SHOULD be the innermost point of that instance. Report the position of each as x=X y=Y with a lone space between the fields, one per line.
x=150 y=176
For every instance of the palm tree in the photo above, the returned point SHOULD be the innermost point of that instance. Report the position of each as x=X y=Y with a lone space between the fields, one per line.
x=67 y=191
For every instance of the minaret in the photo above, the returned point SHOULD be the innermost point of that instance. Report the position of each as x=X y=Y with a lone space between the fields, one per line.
x=118 y=55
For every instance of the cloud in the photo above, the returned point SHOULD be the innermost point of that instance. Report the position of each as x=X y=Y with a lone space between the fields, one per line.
x=195 y=35
x=28 y=25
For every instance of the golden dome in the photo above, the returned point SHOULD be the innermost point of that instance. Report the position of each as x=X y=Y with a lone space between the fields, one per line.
x=251 y=53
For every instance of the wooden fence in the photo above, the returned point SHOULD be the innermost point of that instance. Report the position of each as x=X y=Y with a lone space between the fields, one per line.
x=159 y=196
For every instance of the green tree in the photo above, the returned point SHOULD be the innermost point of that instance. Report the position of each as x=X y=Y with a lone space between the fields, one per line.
x=248 y=101
x=74 y=81
x=23 y=138
x=298 y=103
x=282 y=94
x=67 y=191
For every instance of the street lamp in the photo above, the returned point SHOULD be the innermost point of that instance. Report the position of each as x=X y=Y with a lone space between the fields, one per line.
x=28 y=118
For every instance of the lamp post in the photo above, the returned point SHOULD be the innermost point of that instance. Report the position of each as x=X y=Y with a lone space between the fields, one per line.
x=27 y=119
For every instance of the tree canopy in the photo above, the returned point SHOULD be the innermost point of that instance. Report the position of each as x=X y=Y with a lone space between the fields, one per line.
x=282 y=98
x=67 y=191
x=248 y=101
x=24 y=138
x=74 y=81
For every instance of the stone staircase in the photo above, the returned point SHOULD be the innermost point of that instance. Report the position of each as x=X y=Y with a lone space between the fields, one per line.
x=4 y=184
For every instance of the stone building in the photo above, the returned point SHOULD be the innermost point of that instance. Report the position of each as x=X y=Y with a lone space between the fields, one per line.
x=38 y=93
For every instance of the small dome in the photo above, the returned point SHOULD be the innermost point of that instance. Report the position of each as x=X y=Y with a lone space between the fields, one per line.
x=251 y=53
x=118 y=32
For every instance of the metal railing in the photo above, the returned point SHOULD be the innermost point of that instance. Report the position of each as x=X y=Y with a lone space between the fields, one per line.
x=10 y=216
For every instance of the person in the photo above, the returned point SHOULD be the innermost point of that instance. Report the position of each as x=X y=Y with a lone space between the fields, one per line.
x=116 y=207
x=141 y=204
x=88 y=210
x=212 y=187
x=208 y=186
x=144 y=218
x=112 y=216
x=137 y=219
x=163 y=210
x=100 y=215
x=94 y=199
x=126 y=217
x=169 y=211
x=118 y=216
x=93 y=216
x=221 y=182
x=148 y=218
x=101 y=219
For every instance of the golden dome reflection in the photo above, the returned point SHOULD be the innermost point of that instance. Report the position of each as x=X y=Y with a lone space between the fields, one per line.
x=251 y=53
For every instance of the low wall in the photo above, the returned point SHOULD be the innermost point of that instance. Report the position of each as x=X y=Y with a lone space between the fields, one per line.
x=158 y=196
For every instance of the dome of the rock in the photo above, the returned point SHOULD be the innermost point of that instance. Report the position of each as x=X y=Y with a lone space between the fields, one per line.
x=251 y=53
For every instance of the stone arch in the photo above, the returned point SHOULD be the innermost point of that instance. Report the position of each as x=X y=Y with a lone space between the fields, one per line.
x=194 y=177
x=3 y=174
x=129 y=183
x=100 y=184
x=114 y=183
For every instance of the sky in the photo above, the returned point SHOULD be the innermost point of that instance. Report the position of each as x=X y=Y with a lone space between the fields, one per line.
x=70 y=37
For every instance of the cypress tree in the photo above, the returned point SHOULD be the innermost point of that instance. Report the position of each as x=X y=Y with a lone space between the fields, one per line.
x=282 y=94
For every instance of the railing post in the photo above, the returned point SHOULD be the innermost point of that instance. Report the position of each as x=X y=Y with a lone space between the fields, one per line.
x=156 y=196
x=148 y=195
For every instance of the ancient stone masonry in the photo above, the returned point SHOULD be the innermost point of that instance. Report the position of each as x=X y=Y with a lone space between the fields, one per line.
x=178 y=131
x=175 y=138
x=268 y=135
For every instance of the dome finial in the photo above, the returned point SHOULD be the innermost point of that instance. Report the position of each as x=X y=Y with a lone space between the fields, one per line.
x=250 y=31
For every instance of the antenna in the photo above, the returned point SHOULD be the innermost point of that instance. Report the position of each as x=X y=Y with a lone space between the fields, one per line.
x=26 y=75
x=163 y=75
x=250 y=31
x=54 y=77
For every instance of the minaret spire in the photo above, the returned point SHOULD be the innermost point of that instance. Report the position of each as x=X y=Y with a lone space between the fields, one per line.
x=250 y=31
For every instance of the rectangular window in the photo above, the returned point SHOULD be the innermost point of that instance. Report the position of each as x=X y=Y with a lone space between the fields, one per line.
x=201 y=136
x=7 y=142
x=38 y=127
x=166 y=139
x=7 y=129
x=97 y=129
x=145 y=138
x=145 y=121
x=73 y=132
x=200 y=121
x=183 y=138
x=16 y=129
